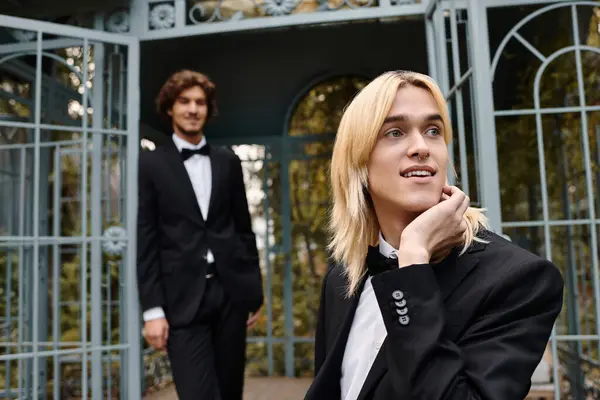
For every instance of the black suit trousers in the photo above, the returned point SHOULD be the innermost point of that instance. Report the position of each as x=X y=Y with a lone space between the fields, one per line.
x=208 y=356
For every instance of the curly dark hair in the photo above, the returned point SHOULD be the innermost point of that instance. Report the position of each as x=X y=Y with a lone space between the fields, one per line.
x=183 y=80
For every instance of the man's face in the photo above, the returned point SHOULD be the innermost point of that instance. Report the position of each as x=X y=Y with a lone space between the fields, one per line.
x=407 y=168
x=189 y=111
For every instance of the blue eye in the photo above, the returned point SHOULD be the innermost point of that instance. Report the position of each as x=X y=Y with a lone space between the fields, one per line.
x=393 y=133
x=434 y=132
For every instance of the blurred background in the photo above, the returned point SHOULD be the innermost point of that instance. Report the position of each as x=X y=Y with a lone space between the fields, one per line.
x=77 y=87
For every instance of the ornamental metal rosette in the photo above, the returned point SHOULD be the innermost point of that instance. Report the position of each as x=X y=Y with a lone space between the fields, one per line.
x=118 y=21
x=115 y=240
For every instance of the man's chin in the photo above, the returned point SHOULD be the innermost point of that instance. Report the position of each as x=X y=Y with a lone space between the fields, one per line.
x=418 y=205
x=191 y=132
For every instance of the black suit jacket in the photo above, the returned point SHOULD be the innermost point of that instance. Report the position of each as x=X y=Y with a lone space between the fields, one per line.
x=478 y=326
x=173 y=237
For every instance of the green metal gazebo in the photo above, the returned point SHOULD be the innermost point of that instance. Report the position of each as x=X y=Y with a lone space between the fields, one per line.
x=77 y=88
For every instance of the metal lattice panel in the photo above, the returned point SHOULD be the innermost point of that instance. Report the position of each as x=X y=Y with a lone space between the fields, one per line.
x=68 y=152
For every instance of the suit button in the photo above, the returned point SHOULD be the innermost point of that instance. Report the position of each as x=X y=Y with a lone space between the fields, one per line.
x=401 y=303
x=397 y=295
x=404 y=320
x=402 y=311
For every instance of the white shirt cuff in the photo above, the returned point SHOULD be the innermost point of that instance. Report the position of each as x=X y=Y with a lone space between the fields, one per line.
x=153 y=313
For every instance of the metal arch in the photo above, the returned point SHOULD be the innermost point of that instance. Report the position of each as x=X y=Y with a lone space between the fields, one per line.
x=544 y=190
x=541 y=156
x=320 y=78
x=528 y=18
x=286 y=156
x=49 y=55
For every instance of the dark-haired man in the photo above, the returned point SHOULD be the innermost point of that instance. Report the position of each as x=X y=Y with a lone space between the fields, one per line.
x=198 y=272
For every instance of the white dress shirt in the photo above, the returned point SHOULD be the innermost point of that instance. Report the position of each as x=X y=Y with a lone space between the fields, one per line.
x=200 y=173
x=367 y=334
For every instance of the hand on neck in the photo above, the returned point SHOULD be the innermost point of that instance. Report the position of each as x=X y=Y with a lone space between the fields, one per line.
x=392 y=226
x=391 y=234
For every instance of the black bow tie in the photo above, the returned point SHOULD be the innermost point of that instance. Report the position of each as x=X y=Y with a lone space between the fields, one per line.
x=187 y=153
x=378 y=263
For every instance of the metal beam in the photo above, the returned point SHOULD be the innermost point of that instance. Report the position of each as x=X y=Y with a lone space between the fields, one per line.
x=484 y=111
x=300 y=19
x=132 y=319
x=43 y=9
x=49 y=44
x=97 y=103
x=65 y=30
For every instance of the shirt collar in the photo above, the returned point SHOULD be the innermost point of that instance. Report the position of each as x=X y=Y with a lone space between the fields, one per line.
x=386 y=249
x=182 y=144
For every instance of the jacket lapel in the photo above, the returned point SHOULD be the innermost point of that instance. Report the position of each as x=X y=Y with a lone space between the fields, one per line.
x=331 y=372
x=449 y=273
x=216 y=171
x=182 y=181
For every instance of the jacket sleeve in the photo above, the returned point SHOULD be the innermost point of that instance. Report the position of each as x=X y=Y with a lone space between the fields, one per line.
x=149 y=280
x=499 y=350
x=247 y=253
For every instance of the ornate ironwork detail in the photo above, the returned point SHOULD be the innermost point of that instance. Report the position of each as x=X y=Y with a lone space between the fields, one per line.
x=162 y=16
x=199 y=10
x=280 y=7
x=23 y=36
x=206 y=11
x=114 y=243
x=324 y=6
x=118 y=22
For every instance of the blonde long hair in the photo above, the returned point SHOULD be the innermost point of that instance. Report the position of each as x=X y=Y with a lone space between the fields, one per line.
x=353 y=222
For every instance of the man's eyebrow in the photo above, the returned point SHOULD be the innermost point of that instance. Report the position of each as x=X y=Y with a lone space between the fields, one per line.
x=394 y=118
x=402 y=118
x=188 y=99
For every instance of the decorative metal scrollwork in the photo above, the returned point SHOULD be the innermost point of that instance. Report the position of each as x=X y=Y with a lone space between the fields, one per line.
x=199 y=10
x=163 y=15
x=349 y=3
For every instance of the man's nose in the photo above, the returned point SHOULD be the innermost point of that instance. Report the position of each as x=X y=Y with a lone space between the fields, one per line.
x=419 y=147
x=192 y=108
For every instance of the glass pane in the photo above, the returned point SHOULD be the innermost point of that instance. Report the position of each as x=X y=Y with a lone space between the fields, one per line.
x=321 y=109
x=309 y=194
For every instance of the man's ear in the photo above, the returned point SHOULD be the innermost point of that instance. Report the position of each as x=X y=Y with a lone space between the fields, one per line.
x=170 y=112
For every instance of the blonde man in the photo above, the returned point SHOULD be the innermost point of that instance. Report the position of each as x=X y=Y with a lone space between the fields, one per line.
x=425 y=303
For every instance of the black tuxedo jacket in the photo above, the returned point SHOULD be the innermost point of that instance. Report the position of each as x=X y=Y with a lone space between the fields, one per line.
x=478 y=326
x=173 y=237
